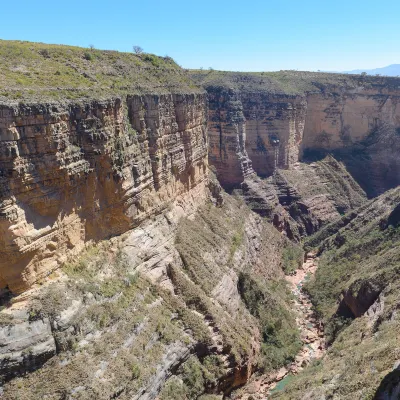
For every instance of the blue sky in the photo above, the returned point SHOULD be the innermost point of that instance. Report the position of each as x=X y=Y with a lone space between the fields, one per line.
x=250 y=35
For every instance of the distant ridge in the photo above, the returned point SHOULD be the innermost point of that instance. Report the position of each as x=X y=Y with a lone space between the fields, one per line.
x=390 y=70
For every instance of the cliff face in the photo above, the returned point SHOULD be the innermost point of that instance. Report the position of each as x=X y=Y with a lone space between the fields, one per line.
x=300 y=200
x=252 y=132
x=273 y=120
x=227 y=133
x=90 y=170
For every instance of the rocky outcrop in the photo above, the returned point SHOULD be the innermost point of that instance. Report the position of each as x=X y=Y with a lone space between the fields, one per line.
x=83 y=171
x=125 y=317
x=300 y=200
x=356 y=292
x=25 y=345
x=252 y=132
x=227 y=138
x=273 y=120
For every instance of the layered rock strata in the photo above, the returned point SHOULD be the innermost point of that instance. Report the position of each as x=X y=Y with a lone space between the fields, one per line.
x=300 y=200
x=90 y=170
x=273 y=120
x=126 y=317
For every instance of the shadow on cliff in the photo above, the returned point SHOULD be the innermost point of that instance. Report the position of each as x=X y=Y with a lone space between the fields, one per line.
x=374 y=169
x=389 y=388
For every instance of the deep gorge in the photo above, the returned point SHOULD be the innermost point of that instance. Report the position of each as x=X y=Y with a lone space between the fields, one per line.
x=150 y=216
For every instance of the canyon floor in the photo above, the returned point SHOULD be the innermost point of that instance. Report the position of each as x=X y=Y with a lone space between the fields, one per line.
x=312 y=337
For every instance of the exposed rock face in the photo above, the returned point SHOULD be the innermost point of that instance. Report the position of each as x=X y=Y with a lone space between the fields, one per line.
x=253 y=132
x=24 y=346
x=146 y=301
x=299 y=201
x=70 y=173
x=227 y=138
x=255 y=123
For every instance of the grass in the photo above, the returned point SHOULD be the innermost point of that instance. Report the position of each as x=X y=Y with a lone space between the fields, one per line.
x=288 y=82
x=135 y=321
x=37 y=72
x=330 y=177
x=355 y=258
x=124 y=325
x=365 y=249
x=221 y=231
x=214 y=230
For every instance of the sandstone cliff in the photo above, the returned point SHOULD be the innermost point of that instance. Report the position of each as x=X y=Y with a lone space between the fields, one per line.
x=122 y=255
x=85 y=170
x=133 y=275
x=273 y=120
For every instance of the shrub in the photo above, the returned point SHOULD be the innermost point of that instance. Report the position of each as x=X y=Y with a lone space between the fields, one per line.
x=174 y=389
x=193 y=377
x=88 y=56
x=292 y=258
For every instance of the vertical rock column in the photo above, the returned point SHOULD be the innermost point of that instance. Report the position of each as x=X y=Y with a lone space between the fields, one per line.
x=227 y=138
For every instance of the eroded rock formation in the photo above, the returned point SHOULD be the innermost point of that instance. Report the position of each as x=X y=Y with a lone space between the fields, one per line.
x=90 y=170
x=300 y=200
x=273 y=120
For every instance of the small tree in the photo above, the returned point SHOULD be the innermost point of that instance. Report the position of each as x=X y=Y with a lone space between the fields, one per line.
x=137 y=50
x=91 y=46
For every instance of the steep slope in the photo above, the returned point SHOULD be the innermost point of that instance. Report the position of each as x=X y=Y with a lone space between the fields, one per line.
x=78 y=170
x=269 y=120
x=356 y=292
x=155 y=310
x=300 y=200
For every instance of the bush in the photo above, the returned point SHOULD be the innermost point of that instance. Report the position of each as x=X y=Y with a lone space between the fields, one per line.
x=193 y=377
x=292 y=258
x=88 y=56
x=174 y=389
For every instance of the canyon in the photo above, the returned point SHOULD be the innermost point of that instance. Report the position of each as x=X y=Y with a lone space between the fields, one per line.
x=160 y=229
x=259 y=122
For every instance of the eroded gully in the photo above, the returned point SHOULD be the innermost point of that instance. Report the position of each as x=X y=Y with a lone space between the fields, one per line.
x=311 y=334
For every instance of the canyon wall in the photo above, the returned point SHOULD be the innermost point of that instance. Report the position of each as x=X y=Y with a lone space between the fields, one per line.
x=88 y=170
x=273 y=120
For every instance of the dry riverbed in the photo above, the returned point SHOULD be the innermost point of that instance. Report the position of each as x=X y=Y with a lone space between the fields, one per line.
x=312 y=336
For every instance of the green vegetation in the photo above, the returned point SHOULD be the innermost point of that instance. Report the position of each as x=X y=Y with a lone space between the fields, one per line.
x=354 y=258
x=288 y=82
x=194 y=378
x=214 y=229
x=360 y=257
x=236 y=337
x=174 y=389
x=268 y=301
x=135 y=321
x=292 y=258
x=328 y=177
x=221 y=231
x=39 y=72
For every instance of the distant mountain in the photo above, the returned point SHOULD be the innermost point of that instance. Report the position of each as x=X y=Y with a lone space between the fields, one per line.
x=390 y=70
